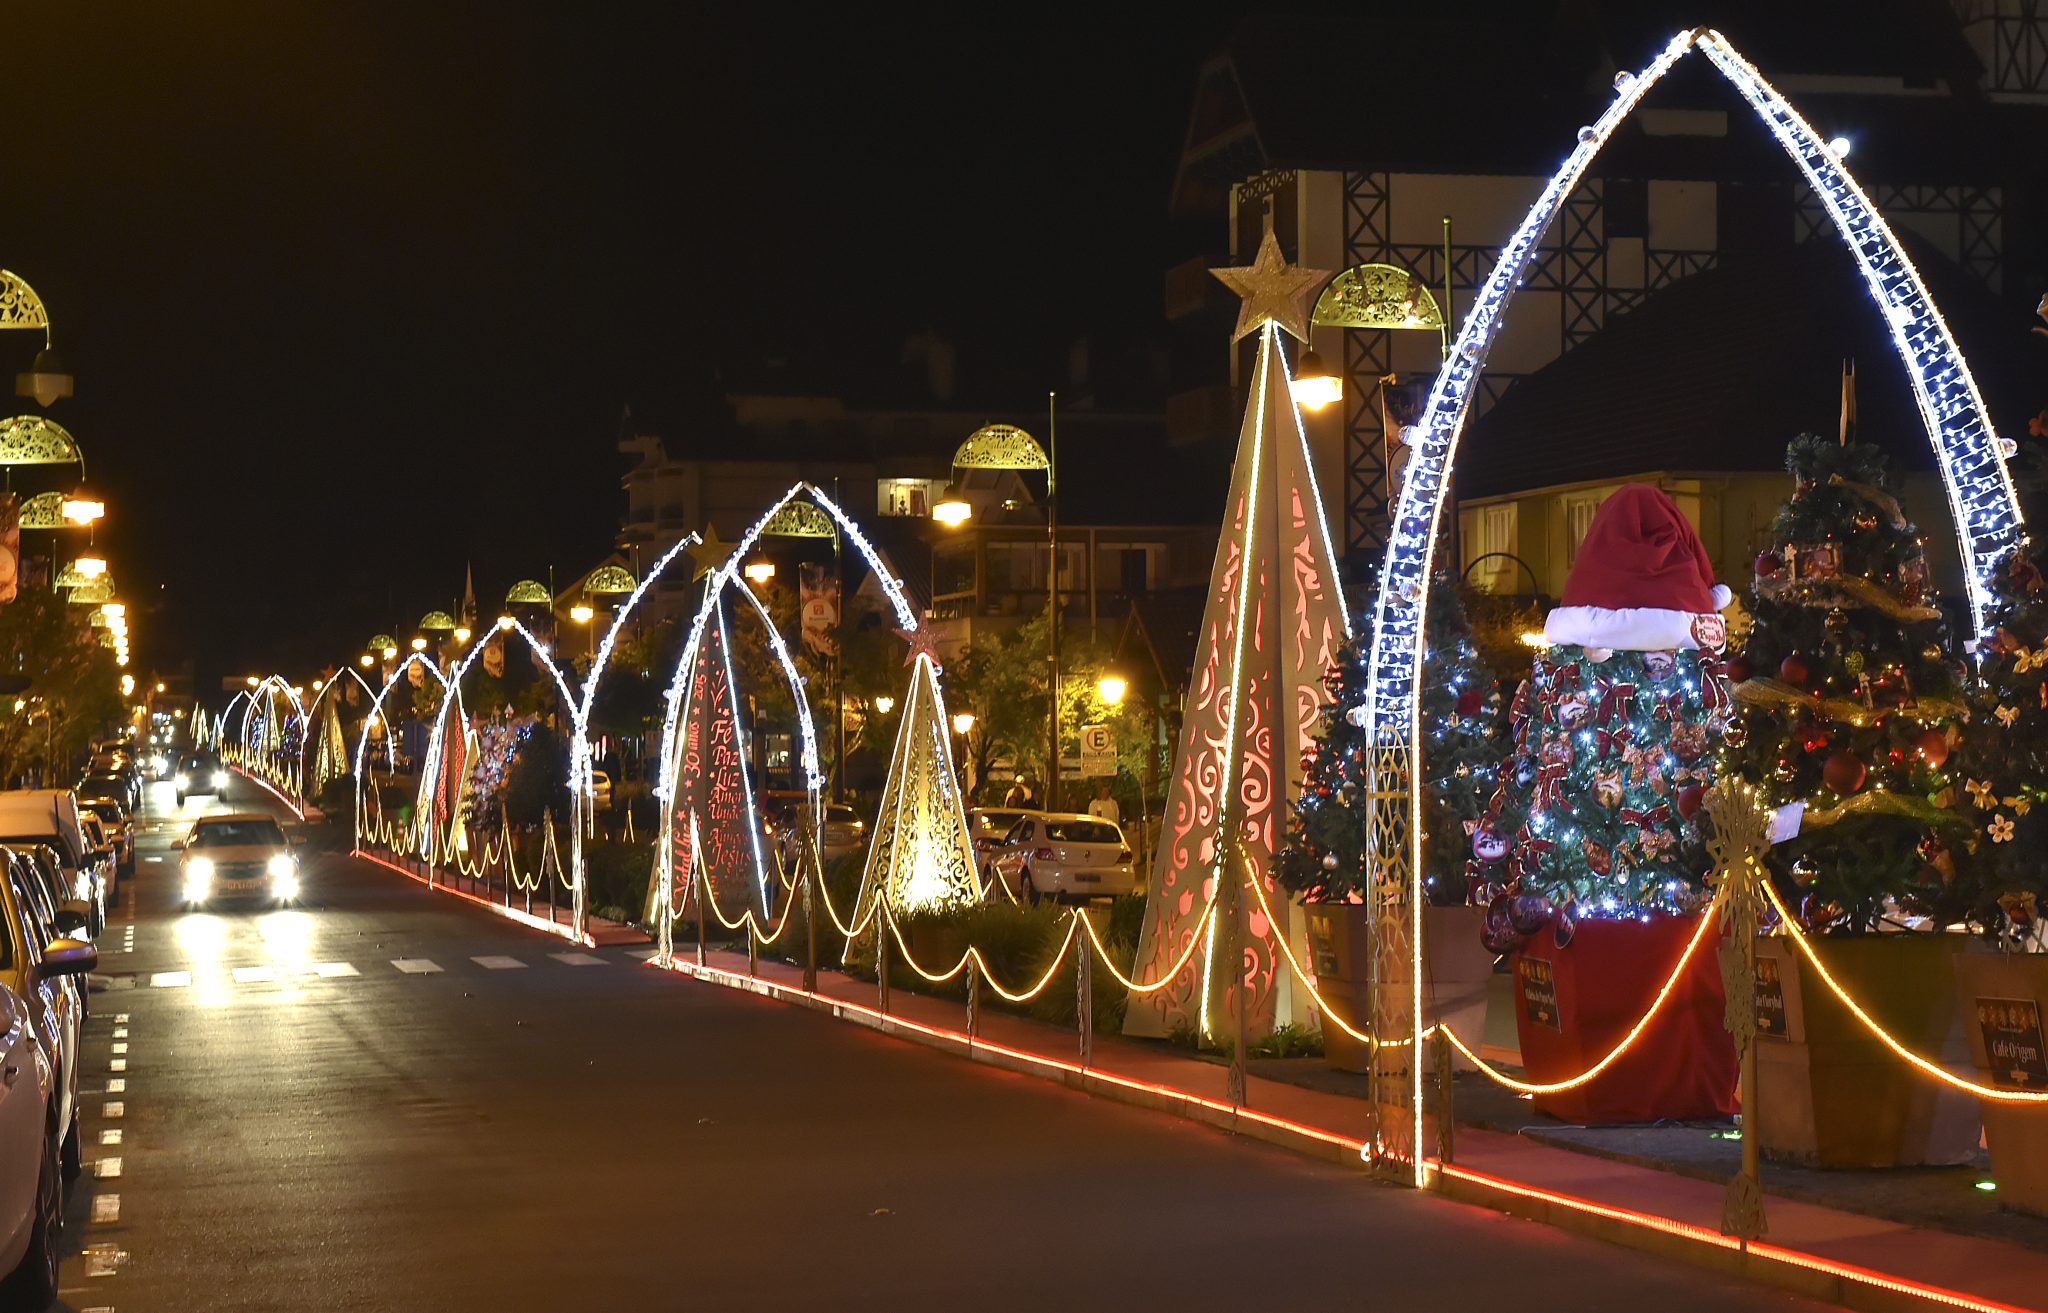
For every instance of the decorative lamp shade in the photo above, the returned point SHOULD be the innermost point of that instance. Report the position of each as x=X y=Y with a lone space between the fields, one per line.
x=73 y=577
x=33 y=440
x=381 y=642
x=46 y=381
x=437 y=622
x=45 y=510
x=107 y=640
x=800 y=519
x=529 y=592
x=608 y=580
x=1000 y=447
x=20 y=307
x=93 y=592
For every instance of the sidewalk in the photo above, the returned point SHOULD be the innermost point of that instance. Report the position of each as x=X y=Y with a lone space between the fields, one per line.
x=1821 y=1252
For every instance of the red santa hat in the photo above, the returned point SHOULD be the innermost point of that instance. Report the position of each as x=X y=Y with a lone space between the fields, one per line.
x=1641 y=581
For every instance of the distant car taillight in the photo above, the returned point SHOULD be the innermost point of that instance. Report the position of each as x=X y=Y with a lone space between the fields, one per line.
x=1125 y=856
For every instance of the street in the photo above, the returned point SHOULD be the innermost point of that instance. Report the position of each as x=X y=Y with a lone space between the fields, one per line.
x=388 y=1099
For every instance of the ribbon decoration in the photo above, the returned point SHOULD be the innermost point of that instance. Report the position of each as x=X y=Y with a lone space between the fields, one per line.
x=1656 y=815
x=1614 y=696
x=1605 y=741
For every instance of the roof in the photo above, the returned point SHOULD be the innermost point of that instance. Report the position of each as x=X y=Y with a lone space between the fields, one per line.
x=1718 y=371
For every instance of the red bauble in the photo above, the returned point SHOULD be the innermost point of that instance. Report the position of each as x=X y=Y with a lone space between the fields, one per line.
x=1844 y=772
x=1739 y=669
x=1470 y=702
x=1689 y=799
x=1933 y=748
x=1793 y=670
x=1768 y=564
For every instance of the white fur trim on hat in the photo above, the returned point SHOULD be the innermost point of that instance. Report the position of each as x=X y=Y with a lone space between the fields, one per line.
x=1630 y=629
x=1722 y=597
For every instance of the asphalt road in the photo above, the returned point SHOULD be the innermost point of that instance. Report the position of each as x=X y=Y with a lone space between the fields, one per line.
x=390 y=1100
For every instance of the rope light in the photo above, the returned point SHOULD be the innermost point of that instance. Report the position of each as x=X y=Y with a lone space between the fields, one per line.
x=973 y=955
x=1328 y=1013
x=1884 y=1036
x=1186 y=953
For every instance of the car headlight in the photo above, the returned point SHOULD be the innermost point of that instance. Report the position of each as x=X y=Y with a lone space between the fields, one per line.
x=183 y=781
x=284 y=876
x=198 y=879
x=220 y=779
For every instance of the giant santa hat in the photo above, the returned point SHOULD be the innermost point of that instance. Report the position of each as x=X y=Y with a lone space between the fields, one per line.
x=1642 y=581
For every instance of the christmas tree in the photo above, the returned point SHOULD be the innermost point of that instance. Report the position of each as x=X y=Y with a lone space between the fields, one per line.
x=1463 y=743
x=1615 y=728
x=1850 y=696
x=2000 y=764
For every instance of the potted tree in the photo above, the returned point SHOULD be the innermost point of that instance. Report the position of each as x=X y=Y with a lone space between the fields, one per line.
x=1601 y=888
x=1850 y=701
x=1324 y=860
x=2002 y=763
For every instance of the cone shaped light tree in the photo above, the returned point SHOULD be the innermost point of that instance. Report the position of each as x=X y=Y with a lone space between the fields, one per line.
x=713 y=833
x=921 y=857
x=1271 y=626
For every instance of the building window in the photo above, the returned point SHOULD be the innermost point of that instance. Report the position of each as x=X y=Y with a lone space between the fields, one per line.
x=1495 y=545
x=1578 y=517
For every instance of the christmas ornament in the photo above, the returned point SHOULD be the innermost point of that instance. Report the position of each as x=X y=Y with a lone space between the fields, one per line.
x=1529 y=913
x=1659 y=665
x=1844 y=772
x=1852 y=662
x=1769 y=565
x=1735 y=735
x=1489 y=844
x=1470 y=702
x=1932 y=747
x=1836 y=624
x=1689 y=799
x=1329 y=861
x=1740 y=669
x=1563 y=928
x=1793 y=670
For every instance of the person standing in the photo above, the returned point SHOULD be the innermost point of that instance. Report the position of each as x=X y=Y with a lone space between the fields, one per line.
x=1103 y=807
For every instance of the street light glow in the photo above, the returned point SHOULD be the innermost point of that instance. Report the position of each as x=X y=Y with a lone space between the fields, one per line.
x=390 y=653
x=1315 y=386
x=462 y=633
x=760 y=571
x=162 y=687
x=367 y=660
x=952 y=509
x=963 y=722
x=92 y=567
x=82 y=507
x=582 y=613
x=884 y=704
x=1112 y=688
x=252 y=681
x=419 y=644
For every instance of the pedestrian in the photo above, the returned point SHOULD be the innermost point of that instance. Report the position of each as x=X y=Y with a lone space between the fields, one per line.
x=1020 y=794
x=1103 y=807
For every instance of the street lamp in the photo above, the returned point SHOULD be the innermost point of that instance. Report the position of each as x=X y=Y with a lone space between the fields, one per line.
x=419 y=644
x=963 y=723
x=1007 y=447
x=391 y=652
x=81 y=507
x=1111 y=688
x=367 y=660
x=582 y=613
x=1315 y=386
x=759 y=571
x=884 y=705
x=462 y=633
x=47 y=380
x=92 y=567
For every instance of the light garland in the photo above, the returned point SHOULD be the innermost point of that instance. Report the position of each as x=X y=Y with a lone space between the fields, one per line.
x=1987 y=517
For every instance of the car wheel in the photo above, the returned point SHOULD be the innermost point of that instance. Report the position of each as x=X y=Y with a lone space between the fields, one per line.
x=68 y=1152
x=33 y=1283
x=1027 y=890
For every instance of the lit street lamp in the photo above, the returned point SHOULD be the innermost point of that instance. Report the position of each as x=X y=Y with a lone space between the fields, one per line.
x=963 y=723
x=1111 y=688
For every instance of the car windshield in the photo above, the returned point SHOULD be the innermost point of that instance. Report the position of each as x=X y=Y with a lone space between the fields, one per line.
x=995 y=822
x=106 y=811
x=198 y=763
x=234 y=834
x=1083 y=832
x=841 y=815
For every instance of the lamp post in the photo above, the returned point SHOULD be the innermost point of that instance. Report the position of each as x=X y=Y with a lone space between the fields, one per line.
x=1007 y=447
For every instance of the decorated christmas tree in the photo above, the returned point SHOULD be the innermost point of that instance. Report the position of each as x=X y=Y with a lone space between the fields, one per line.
x=1463 y=743
x=2000 y=764
x=1614 y=731
x=1849 y=697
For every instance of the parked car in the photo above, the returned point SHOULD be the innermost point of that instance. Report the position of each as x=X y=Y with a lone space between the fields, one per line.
x=51 y=816
x=600 y=791
x=843 y=832
x=41 y=993
x=987 y=827
x=239 y=854
x=123 y=784
x=200 y=772
x=1065 y=856
x=120 y=830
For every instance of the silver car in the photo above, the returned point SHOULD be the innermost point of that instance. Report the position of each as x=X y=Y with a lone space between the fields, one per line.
x=1064 y=856
x=238 y=855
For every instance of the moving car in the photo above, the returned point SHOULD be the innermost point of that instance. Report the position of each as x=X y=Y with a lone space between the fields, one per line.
x=41 y=993
x=51 y=816
x=238 y=855
x=200 y=772
x=1065 y=856
x=120 y=830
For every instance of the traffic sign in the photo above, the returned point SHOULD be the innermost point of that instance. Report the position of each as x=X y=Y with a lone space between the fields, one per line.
x=1098 y=751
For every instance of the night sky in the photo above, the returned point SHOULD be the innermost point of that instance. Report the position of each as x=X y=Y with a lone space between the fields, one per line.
x=356 y=293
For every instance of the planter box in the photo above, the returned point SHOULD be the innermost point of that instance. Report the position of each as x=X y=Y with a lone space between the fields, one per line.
x=1340 y=954
x=1992 y=994
x=1831 y=1094
x=1574 y=1004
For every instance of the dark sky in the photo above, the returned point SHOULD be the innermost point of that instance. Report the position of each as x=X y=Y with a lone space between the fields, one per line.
x=355 y=292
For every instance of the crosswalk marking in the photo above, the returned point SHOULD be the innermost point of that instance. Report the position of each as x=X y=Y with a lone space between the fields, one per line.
x=121 y=1047
x=112 y=1135
x=106 y=1208
x=415 y=966
x=329 y=970
x=117 y=1086
x=117 y=1064
x=106 y=1168
x=170 y=980
x=578 y=959
x=498 y=962
x=244 y=975
x=120 y=1032
x=114 y=1109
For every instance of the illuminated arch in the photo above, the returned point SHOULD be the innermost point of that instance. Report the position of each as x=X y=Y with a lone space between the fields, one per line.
x=1987 y=516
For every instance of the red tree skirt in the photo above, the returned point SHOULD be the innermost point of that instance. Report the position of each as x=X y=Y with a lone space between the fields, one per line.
x=1682 y=1066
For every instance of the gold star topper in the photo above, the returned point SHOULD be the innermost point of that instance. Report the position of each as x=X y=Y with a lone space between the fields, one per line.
x=709 y=553
x=1272 y=289
x=923 y=642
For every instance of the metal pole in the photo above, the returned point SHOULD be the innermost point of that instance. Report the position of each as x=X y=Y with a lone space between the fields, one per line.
x=697 y=883
x=1239 y=1086
x=1052 y=612
x=753 y=952
x=809 y=874
x=882 y=957
x=973 y=1006
x=838 y=659
x=1084 y=991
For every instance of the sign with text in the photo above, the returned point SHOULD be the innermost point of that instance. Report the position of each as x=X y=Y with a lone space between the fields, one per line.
x=1537 y=981
x=2012 y=1041
x=1098 y=751
x=1770 y=999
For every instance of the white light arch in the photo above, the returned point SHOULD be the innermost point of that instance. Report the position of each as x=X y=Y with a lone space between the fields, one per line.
x=1972 y=459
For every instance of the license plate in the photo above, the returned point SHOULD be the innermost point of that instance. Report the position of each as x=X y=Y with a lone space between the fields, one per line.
x=1084 y=878
x=240 y=886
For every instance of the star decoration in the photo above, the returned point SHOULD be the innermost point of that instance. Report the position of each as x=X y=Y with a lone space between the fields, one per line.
x=2007 y=715
x=923 y=642
x=1272 y=289
x=709 y=553
x=2001 y=830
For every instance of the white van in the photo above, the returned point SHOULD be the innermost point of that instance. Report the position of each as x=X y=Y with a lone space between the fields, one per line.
x=32 y=816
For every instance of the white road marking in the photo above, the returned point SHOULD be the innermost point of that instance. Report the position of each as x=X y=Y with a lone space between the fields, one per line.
x=498 y=962
x=111 y=1135
x=103 y=1260
x=114 y=1109
x=120 y=1018
x=117 y=1064
x=106 y=1208
x=415 y=966
x=120 y=982
x=120 y=1032
x=120 y=1046
x=170 y=979
x=248 y=975
x=106 y=1168
x=578 y=959
x=328 y=970
x=117 y=1086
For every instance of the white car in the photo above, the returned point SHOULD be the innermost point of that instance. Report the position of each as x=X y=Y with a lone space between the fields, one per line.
x=1065 y=856
x=238 y=855
x=39 y=1036
x=600 y=791
x=844 y=832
